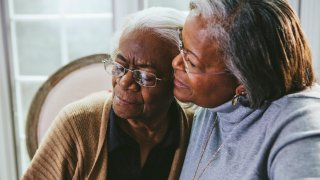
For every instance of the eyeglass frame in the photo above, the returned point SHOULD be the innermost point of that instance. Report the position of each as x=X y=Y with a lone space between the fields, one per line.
x=110 y=61
x=184 y=53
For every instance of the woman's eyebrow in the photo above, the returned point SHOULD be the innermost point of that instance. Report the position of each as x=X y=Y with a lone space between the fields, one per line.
x=145 y=65
x=192 y=53
x=121 y=57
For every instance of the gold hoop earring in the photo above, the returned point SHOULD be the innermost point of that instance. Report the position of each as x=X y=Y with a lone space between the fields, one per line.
x=236 y=98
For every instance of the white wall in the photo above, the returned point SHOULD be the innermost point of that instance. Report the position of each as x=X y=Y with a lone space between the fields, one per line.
x=310 y=15
x=8 y=168
x=308 y=11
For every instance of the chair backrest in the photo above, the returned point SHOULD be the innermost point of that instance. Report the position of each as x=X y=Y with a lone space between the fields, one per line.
x=71 y=82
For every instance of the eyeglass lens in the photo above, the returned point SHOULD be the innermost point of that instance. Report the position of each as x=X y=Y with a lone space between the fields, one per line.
x=141 y=77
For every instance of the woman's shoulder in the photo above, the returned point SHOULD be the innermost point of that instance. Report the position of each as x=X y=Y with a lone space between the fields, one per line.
x=297 y=112
x=310 y=97
x=312 y=92
x=92 y=103
x=295 y=118
x=88 y=108
x=188 y=108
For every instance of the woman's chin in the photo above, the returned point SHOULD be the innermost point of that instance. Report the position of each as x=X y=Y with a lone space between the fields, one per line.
x=182 y=95
x=126 y=111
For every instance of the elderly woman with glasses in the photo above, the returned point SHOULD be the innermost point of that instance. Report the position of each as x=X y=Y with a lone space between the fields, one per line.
x=248 y=65
x=137 y=132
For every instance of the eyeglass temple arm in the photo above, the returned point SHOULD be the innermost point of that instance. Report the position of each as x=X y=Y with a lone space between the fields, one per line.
x=105 y=62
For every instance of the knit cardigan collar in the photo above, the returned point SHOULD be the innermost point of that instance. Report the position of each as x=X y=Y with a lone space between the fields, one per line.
x=185 y=120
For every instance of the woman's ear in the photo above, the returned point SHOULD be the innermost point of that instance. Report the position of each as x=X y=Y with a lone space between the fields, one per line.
x=240 y=90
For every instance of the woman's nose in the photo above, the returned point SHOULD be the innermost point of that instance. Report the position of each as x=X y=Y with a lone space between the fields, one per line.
x=127 y=82
x=177 y=63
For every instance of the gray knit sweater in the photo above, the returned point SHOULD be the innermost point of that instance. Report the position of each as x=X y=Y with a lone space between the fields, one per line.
x=278 y=141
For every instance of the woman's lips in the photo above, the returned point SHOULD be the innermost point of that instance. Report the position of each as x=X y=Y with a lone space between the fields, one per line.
x=179 y=84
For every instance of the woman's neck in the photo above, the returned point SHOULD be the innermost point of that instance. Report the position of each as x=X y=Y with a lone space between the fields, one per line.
x=146 y=134
x=149 y=132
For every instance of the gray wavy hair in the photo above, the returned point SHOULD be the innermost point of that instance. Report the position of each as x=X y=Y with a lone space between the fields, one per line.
x=161 y=21
x=262 y=44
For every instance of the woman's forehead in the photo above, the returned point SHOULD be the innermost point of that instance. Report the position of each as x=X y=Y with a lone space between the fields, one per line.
x=145 y=48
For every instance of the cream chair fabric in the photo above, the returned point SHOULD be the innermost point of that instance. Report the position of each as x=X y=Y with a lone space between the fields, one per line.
x=72 y=82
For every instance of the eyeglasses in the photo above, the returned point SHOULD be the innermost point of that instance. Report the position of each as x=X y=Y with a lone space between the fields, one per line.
x=143 y=78
x=189 y=67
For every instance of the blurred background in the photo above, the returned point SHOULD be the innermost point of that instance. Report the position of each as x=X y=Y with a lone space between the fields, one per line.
x=39 y=36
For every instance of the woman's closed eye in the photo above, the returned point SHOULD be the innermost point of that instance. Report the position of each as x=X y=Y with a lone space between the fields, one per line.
x=146 y=76
x=190 y=63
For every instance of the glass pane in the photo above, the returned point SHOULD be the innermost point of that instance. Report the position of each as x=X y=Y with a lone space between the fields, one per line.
x=25 y=160
x=36 y=6
x=38 y=47
x=87 y=6
x=28 y=91
x=178 y=4
x=87 y=37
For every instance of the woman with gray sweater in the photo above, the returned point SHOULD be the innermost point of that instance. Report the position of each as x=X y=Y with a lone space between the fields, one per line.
x=248 y=65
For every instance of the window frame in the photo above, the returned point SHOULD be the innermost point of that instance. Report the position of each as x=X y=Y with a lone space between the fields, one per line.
x=10 y=112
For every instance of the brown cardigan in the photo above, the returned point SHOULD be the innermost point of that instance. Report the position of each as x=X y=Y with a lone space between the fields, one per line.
x=75 y=146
